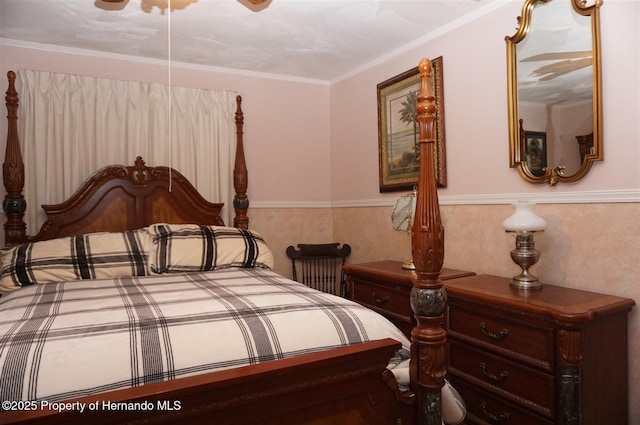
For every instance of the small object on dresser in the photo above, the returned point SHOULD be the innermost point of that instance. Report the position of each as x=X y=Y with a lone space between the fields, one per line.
x=402 y=219
x=523 y=224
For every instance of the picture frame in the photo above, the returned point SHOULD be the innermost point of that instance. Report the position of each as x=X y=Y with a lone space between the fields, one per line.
x=398 y=132
x=535 y=152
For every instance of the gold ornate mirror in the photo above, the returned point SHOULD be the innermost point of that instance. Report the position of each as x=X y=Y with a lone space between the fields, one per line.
x=554 y=91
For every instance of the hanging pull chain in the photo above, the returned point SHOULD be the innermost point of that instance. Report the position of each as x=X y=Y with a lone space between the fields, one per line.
x=170 y=96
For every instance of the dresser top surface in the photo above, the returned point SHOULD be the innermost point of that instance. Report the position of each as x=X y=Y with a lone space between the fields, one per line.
x=392 y=269
x=561 y=302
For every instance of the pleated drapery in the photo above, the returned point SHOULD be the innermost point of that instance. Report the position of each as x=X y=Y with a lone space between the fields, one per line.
x=73 y=125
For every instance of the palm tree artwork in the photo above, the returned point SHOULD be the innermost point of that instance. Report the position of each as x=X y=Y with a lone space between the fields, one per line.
x=409 y=115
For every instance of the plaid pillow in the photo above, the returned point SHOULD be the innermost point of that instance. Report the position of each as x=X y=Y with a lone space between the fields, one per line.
x=179 y=248
x=89 y=256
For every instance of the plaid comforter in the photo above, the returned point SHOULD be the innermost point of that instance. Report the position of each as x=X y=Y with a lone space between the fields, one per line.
x=71 y=339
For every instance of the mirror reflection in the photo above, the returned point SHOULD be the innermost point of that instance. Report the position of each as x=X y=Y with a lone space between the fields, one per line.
x=554 y=91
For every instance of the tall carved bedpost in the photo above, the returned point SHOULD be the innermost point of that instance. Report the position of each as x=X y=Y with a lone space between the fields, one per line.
x=428 y=297
x=240 y=177
x=14 y=204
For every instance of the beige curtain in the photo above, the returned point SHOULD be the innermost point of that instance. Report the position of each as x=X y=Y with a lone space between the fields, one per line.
x=72 y=125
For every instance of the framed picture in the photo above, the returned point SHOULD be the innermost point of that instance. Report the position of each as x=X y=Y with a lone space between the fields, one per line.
x=398 y=132
x=535 y=151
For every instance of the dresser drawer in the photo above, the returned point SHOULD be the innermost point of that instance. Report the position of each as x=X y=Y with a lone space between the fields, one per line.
x=391 y=301
x=531 y=388
x=485 y=409
x=528 y=342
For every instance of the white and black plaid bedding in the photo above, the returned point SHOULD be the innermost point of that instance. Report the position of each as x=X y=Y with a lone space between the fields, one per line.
x=91 y=256
x=71 y=339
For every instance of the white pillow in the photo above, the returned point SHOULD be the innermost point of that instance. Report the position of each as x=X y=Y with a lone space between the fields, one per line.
x=89 y=256
x=453 y=408
x=178 y=248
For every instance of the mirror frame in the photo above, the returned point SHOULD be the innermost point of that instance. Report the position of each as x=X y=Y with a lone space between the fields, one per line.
x=516 y=138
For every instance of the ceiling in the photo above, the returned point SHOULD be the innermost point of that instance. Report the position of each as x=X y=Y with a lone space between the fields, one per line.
x=323 y=40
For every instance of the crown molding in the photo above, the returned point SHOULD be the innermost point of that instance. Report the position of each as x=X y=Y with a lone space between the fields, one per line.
x=153 y=61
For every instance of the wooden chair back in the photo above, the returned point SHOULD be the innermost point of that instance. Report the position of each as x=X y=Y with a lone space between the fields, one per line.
x=319 y=266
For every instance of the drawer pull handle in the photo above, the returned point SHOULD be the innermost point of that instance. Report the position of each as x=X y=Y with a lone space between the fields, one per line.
x=498 y=336
x=504 y=375
x=382 y=300
x=504 y=417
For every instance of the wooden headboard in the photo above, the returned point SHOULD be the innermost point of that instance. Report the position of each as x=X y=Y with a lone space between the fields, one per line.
x=117 y=197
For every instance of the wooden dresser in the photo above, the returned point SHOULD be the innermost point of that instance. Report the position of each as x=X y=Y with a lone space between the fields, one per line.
x=384 y=286
x=551 y=356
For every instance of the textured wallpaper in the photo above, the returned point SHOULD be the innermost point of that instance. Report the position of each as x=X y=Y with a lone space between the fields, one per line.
x=594 y=247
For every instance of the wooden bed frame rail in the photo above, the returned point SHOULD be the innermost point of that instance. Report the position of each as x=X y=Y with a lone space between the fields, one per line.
x=259 y=394
x=349 y=385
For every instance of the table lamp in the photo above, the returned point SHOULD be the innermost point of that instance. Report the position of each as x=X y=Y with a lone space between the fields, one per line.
x=524 y=223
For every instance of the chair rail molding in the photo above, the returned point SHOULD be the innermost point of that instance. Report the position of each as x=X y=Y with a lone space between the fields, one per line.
x=584 y=197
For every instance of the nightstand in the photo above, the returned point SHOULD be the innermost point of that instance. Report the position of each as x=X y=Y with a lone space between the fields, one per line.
x=550 y=356
x=384 y=286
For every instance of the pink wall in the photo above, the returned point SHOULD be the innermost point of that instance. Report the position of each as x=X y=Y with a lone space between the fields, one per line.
x=286 y=122
x=474 y=62
x=325 y=136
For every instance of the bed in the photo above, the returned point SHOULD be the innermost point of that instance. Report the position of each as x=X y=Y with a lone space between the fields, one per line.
x=139 y=241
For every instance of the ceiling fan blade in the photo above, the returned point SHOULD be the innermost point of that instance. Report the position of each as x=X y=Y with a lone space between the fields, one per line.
x=559 y=55
x=255 y=5
x=549 y=72
x=111 y=4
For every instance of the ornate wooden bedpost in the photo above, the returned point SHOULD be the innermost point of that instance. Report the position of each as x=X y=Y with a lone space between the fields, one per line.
x=240 y=177
x=428 y=297
x=14 y=204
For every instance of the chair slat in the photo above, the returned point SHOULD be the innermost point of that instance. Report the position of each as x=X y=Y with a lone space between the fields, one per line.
x=319 y=266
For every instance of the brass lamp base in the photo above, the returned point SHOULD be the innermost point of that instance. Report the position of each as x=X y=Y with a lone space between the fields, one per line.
x=525 y=255
x=408 y=265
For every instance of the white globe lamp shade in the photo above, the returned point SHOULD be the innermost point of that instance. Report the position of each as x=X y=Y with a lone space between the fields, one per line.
x=524 y=219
